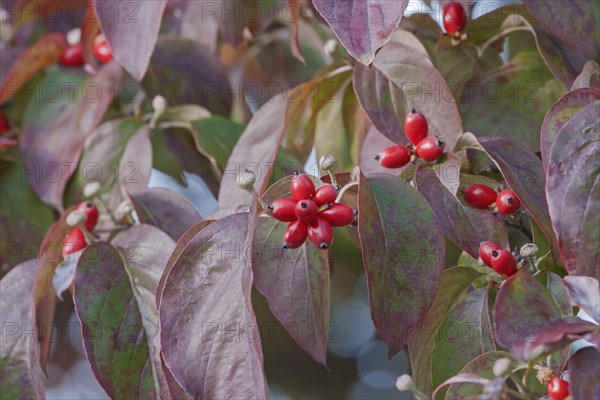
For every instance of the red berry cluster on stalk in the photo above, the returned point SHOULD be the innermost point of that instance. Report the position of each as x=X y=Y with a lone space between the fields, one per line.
x=428 y=148
x=501 y=260
x=558 y=389
x=72 y=56
x=311 y=213
x=482 y=196
x=75 y=240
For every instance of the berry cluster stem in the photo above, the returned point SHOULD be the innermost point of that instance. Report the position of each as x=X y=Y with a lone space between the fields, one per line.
x=343 y=190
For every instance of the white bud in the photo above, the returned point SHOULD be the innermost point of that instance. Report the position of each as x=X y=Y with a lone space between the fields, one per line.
x=246 y=180
x=327 y=162
x=124 y=208
x=74 y=36
x=159 y=104
x=247 y=35
x=528 y=250
x=91 y=189
x=75 y=218
x=330 y=46
x=404 y=383
x=502 y=367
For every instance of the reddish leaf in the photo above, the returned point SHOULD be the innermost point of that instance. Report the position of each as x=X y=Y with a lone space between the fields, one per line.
x=210 y=339
x=19 y=353
x=131 y=27
x=573 y=192
x=589 y=76
x=363 y=26
x=403 y=262
x=584 y=368
x=373 y=143
x=400 y=79
x=461 y=378
x=584 y=292
x=293 y=8
x=33 y=60
x=560 y=113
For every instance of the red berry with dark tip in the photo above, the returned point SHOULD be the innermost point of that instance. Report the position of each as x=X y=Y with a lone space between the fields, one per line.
x=339 y=214
x=91 y=212
x=302 y=187
x=503 y=262
x=485 y=252
x=430 y=149
x=72 y=56
x=283 y=209
x=306 y=211
x=480 y=196
x=74 y=241
x=4 y=125
x=415 y=126
x=103 y=52
x=455 y=17
x=320 y=233
x=393 y=157
x=558 y=389
x=508 y=202
x=326 y=194
x=295 y=235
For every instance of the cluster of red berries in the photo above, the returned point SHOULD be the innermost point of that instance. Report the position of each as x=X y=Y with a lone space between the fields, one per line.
x=75 y=240
x=558 y=389
x=311 y=213
x=73 y=54
x=428 y=148
x=501 y=260
x=455 y=19
x=482 y=196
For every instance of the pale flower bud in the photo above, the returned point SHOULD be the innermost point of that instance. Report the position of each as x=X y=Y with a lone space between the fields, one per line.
x=75 y=218
x=330 y=46
x=246 y=180
x=327 y=162
x=91 y=189
x=404 y=383
x=124 y=208
x=159 y=104
x=74 y=36
x=528 y=250
x=502 y=367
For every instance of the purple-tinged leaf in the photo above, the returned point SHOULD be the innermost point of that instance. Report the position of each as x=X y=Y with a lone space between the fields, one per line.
x=209 y=335
x=465 y=226
x=19 y=355
x=554 y=283
x=528 y=320
x=295 y=282
x=64 y=274
x=461 y=378
x=573 y=191
x=293 y=7
x=403 y=261
x=401 y=79
x=54 y=133
x=584 y=293
x=560 y=113
x=589 y=76
x=373 y=143
x=453 y=286
x=465 y=333
x=131 y=28
x=135 y=165
x=481 y=365
x=165 y=209
x=584 y=368
x=363 y=26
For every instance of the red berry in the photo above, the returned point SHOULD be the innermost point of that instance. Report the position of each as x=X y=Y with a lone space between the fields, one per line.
x=326 y=194
x=294 y=235
x=320 y=233
x=302 y=187
x=91 y=212
x=480 y=196
x=103 y=52
x=430 y=149
x=283 y=209
x=485 y=252
x=4 y=125
x=74 y=241
x=503 y=262
x=393 y=157
x=306 y=211
x=338 y=214
x=558 y=389
x=415 y=126
x=455 y=17
x=507 y=202
x=72 y=56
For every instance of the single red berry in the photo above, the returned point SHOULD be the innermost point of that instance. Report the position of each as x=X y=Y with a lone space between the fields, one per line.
x=326 y=194
x=507 y=202
x=339 y=214
x=295 y=235
x=74 y=241
x=72 y=56
x=4 y=125
x=320 y=233
x=430 y=149
x=485 y=252
x=415 y=126
x=558 y=389
x=503 y=262
x=91 y=213
x=393 y=157
x=306 y=211
x=480 y=196
x=103 y=52
x=283 y=209
x=455 y=17
x=302 y=187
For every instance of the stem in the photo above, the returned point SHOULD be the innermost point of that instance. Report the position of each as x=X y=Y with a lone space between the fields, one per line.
x=341 y=193
x=521 y=386
x=332 y=176
x=264 y=205
x=514 y=393
x=87 y=234
x=521 y=228
x=106 y=209
x=418 y=394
